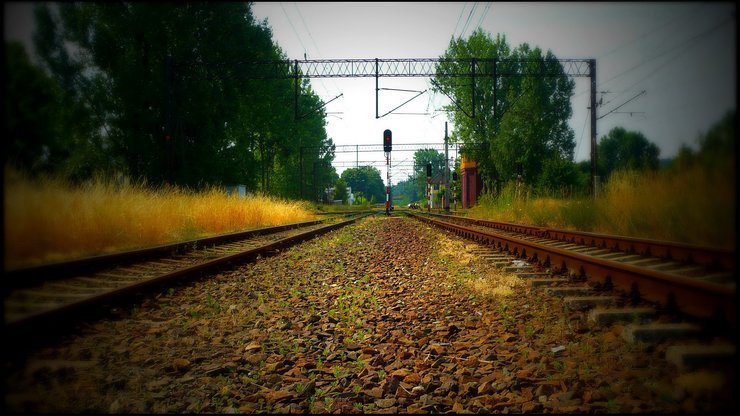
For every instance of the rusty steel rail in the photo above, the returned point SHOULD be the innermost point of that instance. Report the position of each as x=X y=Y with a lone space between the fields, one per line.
x=712 y=257
x=693 y=296
x=15 y=279
x=106 y=286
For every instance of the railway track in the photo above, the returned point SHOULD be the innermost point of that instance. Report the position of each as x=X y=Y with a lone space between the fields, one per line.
x=37 y=299
x=657 y=291
x=273 y=328
x=696 y=281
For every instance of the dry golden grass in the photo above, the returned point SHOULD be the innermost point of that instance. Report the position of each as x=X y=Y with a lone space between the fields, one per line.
x=695 y=206
x=49 y=220
x=490 y=283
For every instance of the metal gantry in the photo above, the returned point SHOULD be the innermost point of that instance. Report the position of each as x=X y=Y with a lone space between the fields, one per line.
x=424 y=67
x=409 y=67
x=430 y=67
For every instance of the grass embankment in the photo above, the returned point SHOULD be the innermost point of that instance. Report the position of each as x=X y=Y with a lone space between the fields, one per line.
x=49 y=220
x=695 y=206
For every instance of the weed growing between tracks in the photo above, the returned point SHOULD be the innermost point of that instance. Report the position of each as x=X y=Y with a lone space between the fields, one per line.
x=376 y=317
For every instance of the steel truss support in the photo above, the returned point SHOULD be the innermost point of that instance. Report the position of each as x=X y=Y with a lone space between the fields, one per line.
x=429 y=67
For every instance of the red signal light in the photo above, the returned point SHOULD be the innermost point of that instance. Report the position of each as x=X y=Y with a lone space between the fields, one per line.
x=387 y=140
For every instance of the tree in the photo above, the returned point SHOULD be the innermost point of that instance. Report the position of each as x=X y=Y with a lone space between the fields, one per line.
x=560 y=174
x=340 y=190
x=147 y=71
x=47 y=130
x=365 y=179
x=526 y=124
x=622 y=149
x=407 y=191
x=32 y=120
x=422 y=157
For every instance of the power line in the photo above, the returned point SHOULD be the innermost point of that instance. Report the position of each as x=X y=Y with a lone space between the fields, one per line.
x=467 y=22
x=293 y=27
x=690 y=14
x=314 y=44
x=681 y=52
x=693 y=39
x=485 y=12
x=458 y=19
x=622 y=105
x=585 y=123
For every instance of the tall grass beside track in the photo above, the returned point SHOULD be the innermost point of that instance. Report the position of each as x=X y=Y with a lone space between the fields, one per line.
x=49 y=219
x=693 y=205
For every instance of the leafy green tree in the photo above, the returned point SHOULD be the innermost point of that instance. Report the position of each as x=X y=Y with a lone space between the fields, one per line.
x=33 y=122
x=311 y=145
x=527 y=123
x=407 y=191
x=562 y=177
x=147 y=70
x=716 y=148
x=365 y=179
x=422 y=157
x=535 y=127
x=622 y=149
x=47 y=129
x=340 y=190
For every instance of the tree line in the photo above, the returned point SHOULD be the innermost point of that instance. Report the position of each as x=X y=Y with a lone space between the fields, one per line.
x=156 y=91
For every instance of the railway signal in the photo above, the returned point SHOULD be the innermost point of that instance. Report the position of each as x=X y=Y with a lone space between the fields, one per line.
x=387 y=139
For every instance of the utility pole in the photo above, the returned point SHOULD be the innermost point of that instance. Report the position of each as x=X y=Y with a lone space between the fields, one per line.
x=446 y=174
x=592 y=74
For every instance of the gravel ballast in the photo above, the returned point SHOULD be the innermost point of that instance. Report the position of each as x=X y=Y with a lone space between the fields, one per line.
x=387 y=315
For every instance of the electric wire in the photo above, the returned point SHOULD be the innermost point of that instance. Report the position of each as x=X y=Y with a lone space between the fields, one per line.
x=316 y=46
x=483 y=15
x=690 y=14
x=583 y=130
x=458 y=19
x=671 y=50
x=467 y=22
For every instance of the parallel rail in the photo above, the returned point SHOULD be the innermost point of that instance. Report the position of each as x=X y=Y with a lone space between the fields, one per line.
x=36 y=298
x=694 y=280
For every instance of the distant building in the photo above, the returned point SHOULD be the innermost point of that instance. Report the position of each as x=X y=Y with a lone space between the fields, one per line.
x=239 y=190
x=329 y=192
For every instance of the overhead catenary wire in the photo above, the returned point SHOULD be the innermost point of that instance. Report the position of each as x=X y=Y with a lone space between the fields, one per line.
x=467 y=22
x=459 y=18
x=621 y=105
x=583 y=130
x=483 y=15
x=695 y=38
x=691 y=14
x=316 y=46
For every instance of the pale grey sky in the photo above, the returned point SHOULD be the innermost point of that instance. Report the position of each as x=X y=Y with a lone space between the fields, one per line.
x=682 y=54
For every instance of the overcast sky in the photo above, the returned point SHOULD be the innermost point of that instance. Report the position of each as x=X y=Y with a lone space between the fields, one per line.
x=683 y=55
